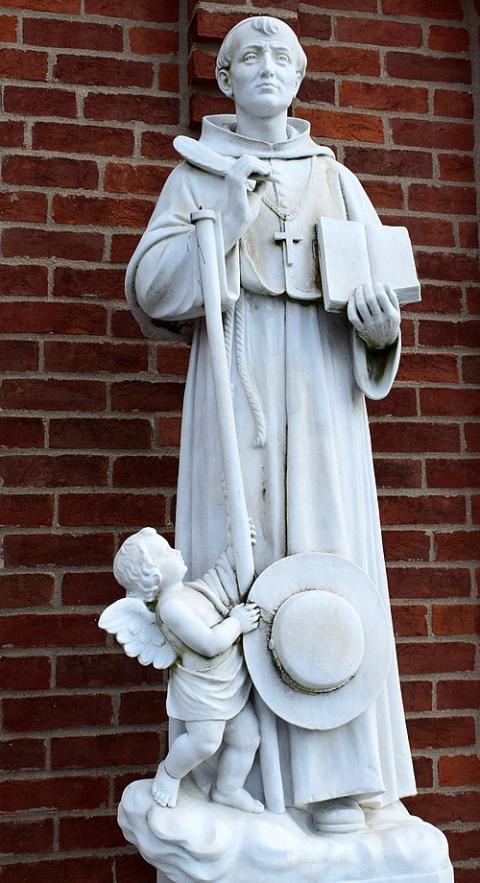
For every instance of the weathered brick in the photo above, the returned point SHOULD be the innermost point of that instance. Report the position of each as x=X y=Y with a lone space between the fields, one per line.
x=40 y=102
x=144 y=10
x=434 y=69
x=65 y=138
x=455 y=619
x=33 y=674
x=314 y=25
x=54 y=792
x=98 y=71
x=101 y=282
x=42 y=171
x=75 y=870
x=23 y=206
x=458 y=694
x=398 y=473
x=410 y=619
x=8 y=29
x=151 y=109
x=458 y=546
x=23 y=280
x=72 y=34
x=26 y=589
x=52 y=318
x=405 y=545
x=146 y=707
x=39 y=549
x=126 y=178
x=449 y=103
x=441 y=732
x=104 y=671
x=97 y=588
x=87 y=433
x=345 y=126
x=417 y=695
x=343 y=60
x=409 y=163
x=53 y=471
x=379 y=33
x=433 y=134
x=93 y=358
x=455 y=168
x=54 y=712
x=375 y=96
x=22 y=355
x=432 y=509
x=449 y=9
x=86 y=210
x=53 y=395
x=99 y=831
x=52 y=629
x=21 y=432
x=411 y=436
x=112 y=509
x=448 y=39
x=137 y=395
x=25 y=837
x=21 y=754
x=431 y=582
x=427 y=658
x=111 y=750
x=153 y=41
x=159 y=471
x=23 y=65
x=42 y=243
x=26 y=510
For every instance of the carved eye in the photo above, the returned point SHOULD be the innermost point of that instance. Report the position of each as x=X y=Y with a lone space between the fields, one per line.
x=250 y=56
x=283 y=58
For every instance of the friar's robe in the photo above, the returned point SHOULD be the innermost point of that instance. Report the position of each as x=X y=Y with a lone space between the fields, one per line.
x=299 y=376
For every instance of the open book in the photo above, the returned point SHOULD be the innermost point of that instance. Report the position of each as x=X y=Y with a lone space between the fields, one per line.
x=351 y=253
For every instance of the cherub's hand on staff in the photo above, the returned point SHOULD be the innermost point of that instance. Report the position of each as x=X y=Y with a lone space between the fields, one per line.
x=248 y=616
x=242 y=204
x=375 y=314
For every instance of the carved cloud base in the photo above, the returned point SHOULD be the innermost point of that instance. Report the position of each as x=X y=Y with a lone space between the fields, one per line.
x=203 y=841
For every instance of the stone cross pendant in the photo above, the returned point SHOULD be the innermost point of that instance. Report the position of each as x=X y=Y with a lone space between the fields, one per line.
x=287 y=237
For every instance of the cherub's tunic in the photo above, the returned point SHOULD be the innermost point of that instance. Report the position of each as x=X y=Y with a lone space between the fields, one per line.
x=298 y=377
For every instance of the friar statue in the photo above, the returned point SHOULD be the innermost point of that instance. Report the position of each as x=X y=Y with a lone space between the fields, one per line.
x=299 y=378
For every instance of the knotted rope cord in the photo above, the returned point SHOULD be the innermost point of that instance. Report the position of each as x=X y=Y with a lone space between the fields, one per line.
x=251 y=392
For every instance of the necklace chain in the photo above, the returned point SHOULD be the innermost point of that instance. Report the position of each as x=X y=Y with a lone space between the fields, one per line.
x=289 y=216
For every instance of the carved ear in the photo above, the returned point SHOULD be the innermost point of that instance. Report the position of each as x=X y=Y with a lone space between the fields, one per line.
x=223 y=79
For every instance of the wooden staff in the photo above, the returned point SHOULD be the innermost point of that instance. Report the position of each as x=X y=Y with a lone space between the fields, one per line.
x=204 y=221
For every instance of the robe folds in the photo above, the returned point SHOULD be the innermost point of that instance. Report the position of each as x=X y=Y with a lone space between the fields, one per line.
x=299 y=378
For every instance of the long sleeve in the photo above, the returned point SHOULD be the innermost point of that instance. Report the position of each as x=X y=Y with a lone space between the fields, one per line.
x=163 y=279
x=374 y=371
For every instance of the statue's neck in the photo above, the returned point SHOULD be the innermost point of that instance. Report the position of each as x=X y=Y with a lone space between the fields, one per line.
x=272 y=130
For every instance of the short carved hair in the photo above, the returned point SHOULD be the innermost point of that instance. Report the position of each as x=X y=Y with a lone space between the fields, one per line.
x=133 y=567
x=266 y=25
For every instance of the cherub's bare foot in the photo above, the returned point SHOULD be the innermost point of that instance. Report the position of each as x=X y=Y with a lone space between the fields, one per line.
x=165 y=788
x=240 y=799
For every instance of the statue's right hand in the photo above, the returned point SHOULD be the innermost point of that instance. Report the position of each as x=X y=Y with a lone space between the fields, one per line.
x=242 y=204
x=248 y=615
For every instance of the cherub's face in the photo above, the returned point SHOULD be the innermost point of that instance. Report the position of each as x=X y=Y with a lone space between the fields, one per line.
x=263 y=78
x=169 y=561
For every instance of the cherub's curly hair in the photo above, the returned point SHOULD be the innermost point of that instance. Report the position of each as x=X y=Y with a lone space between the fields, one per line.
x=133 y=567
x=266 y=24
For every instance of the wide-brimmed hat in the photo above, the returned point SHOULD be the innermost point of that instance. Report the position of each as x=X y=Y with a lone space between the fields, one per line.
x=323 y=648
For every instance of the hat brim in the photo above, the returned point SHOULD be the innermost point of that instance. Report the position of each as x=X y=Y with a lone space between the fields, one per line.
x=323 y=571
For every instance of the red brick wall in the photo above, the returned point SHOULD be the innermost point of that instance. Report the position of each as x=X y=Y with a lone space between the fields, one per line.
x=90 y=411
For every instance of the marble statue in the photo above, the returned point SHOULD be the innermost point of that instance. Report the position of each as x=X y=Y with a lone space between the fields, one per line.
x=194 y=633
x=275 y=430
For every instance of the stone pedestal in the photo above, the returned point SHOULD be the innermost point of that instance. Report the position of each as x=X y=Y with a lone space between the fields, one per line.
x=202 y=841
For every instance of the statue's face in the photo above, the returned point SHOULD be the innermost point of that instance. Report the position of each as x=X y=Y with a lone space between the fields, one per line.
x=263 y=78
x=169 y=561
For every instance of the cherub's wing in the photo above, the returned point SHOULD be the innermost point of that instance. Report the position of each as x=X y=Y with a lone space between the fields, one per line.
x=135 y=627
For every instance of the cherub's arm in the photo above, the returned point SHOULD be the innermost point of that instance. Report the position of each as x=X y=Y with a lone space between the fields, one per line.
x=203 y=639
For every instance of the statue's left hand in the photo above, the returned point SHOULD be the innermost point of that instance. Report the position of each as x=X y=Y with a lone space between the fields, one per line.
x=375 y=314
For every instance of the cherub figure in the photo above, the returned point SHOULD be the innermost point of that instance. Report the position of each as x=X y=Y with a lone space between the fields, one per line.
x=193 y=628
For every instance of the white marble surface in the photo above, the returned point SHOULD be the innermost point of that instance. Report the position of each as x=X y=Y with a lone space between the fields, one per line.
x=189 y=845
